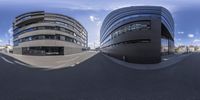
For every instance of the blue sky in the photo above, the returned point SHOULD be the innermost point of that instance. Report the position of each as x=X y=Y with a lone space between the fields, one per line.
x=91 y=13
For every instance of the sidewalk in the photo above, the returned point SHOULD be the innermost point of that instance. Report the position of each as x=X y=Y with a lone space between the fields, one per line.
x=53 y=62
x=166 y=61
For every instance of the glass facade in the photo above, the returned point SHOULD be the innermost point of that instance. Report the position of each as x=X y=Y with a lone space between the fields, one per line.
x=164 y=46
x=83 y=38
x=43 y=51
x=167 y=46
x=129 y=42
x=64 y=24
x=134 y=26
x=140 y=25
x=47 y=28
x=45 y=37
x=167 y=42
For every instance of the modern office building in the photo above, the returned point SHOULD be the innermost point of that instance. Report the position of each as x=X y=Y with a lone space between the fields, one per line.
x=42 y=33
x=139 y=34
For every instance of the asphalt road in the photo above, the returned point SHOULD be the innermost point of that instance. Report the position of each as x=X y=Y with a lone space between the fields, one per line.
x=98 y=78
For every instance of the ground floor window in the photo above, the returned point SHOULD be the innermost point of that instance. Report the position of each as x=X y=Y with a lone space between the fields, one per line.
x=167 y=46
x=43 y=51
x=164 y=46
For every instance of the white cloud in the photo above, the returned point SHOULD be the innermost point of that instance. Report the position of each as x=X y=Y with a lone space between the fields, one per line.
x=1 y=41
x=190 y=35
x=10 y=31
x=93 y=18
x=180 y=32
x=8 y=37
x=96 y=20
x=196 y=41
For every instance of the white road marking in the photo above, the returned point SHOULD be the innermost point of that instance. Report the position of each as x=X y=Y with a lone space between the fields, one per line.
x=20 y=63
x=7 y=60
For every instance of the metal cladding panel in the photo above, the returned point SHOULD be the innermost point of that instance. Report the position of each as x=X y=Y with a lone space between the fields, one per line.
x=139 y=46
x=118 y=16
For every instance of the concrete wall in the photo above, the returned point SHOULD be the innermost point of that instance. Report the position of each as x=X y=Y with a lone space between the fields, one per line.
x=17 y=50
x=70 y=50
x=66 y=22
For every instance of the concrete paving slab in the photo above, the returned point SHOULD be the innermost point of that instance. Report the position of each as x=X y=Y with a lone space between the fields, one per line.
x=53 y=62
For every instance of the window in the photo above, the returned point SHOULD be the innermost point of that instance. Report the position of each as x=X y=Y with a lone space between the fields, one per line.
x=30 y=38
x=49 y=37
x=140 y=25
x=41 y=28
x=41 y=37
x=164 y=46
x=62 y=38
x=35 y=37
x=25 y=18
x=57 y=37
x=62 y=29
x=75 y=41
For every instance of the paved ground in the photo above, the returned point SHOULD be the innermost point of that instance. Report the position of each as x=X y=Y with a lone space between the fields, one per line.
x=167 y=61
x=53 y=62
x=98 y=78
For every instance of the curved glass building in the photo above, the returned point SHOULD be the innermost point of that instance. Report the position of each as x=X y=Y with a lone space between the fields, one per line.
x=42 y=33
x=139 y=34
